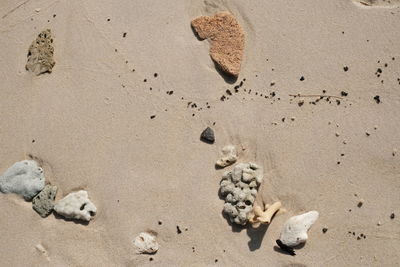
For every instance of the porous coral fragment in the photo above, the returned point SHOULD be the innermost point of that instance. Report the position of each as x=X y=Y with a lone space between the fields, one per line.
x=226 y=37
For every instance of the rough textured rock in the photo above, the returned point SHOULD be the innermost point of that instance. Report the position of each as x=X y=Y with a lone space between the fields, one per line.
x=226 y=37
x=43 y=203
x=24 y=178
x=239 y=188
x=295 y=229
x=40 y=54
x=229 y=156
x=77 y=206
x=208 y=135
x=146 y=243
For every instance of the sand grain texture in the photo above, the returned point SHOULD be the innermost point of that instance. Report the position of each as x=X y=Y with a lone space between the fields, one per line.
x=89 y=121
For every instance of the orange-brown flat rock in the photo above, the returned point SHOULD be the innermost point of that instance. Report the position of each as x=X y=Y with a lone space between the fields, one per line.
x=226 y=38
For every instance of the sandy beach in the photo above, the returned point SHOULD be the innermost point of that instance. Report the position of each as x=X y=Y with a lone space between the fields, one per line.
x=316 y=104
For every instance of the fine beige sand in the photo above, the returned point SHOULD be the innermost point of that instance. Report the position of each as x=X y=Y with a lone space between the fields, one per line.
x=89 y=124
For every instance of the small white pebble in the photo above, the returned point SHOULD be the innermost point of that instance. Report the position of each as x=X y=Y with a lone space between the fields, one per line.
x=337 y=134
x=379 y=223
x=37 y=9
x=344 y=142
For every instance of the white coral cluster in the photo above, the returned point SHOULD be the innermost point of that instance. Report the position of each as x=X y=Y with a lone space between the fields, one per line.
x=76 y=205
x=239 y=188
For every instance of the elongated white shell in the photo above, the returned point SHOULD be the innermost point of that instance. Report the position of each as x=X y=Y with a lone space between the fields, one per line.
x=295 y=229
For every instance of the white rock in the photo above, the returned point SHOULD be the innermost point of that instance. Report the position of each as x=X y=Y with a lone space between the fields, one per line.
x=295 y=229
x=24 y=178
x=76 y=205
x=146 y=243
x=229 y=156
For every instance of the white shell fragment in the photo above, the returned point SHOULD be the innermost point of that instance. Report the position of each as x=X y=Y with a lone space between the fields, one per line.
x=146 y=243
x=24 y=178
x=229 y=156
x=76 y=205
x=295 y=229
x=239 y=188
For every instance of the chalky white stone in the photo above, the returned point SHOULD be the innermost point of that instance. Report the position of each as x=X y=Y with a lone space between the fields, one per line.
x=229 y=156
x=77 y=206
x=295 y=229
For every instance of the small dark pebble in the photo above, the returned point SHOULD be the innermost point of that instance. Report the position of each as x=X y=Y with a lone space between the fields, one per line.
x=178 y=230
x=324 y=230
x=155 y=75
x=377 y=99
x=302 y=78
x=285 y=247
x=300 y=103
x=345 y=68
x=124 y=35
x=343 y=93
x=360 y=204
x=152 y=116
x=145 y=80
x=159 y=222
x=208 y=135
x=392 y=216
x=151 y=259
x=216 y=260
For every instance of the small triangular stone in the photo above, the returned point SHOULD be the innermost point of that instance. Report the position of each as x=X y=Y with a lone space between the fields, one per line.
x=208 y=135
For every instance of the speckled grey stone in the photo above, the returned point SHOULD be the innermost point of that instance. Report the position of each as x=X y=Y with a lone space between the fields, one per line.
x=43 y=203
